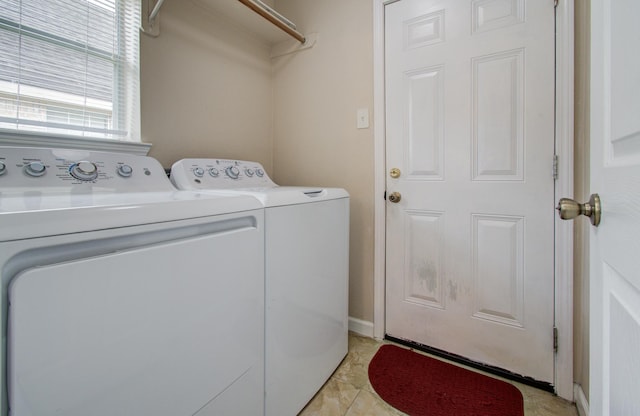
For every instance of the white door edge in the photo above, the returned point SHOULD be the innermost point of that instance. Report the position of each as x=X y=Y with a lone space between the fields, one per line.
x=563 y=379
x=564 y=186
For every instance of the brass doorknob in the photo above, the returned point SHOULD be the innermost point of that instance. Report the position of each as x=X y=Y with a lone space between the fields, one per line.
x=569 y=209
x=394 y=173
x=395 y=197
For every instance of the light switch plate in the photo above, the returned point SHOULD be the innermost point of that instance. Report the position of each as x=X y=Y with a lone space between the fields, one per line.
x=363 y=118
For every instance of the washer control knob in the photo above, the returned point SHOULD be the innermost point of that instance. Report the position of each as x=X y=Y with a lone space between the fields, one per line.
x=214 y=172
x=199 y=172
x=249 y=172
x=35 y=169
x=84 y=171
x=3 y=168
x=125 y=171
x=259 y=172
x=232 y=172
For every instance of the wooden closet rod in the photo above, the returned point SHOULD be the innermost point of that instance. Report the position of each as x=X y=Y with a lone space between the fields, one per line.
x=274 y=20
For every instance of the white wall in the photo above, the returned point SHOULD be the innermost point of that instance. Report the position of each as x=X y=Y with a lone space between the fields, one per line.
x=206 y=88
x=210 y=89
x=316 y=94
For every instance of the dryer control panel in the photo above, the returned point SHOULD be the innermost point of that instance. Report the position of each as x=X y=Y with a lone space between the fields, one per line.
x=79 y=171
x=193 y=174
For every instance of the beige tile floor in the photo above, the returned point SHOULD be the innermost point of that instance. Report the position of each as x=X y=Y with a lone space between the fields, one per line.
x=349 y=393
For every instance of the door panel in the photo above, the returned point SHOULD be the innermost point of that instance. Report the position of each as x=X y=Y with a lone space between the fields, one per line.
x=423 y=283
x=470 y=125
x=425 y=109
x=615 y=175
x=498 y=115
x=498 y=268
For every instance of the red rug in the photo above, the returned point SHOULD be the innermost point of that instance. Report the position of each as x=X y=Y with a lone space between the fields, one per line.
x=423 y=386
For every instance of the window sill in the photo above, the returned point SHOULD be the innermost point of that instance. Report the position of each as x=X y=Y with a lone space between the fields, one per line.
x=22 y=139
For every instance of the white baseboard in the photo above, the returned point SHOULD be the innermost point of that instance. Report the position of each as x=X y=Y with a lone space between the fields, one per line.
x=581 y=400
x=360 y=327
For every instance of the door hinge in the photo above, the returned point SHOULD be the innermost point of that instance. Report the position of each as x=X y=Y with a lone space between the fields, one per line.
x=555 y=167
x=555 y=339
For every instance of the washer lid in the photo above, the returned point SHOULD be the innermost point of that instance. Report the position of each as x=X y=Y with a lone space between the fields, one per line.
x=293 y=195
x=36 y=214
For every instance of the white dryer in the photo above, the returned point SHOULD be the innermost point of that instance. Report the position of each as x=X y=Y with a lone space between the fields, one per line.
x=307 y=272
x=123 y=296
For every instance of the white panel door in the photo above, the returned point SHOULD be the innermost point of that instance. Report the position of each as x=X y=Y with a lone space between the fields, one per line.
x=470 y=125
x=615 y=175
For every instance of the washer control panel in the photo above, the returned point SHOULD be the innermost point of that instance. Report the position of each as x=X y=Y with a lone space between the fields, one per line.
x=195 y=174
x=80 y=170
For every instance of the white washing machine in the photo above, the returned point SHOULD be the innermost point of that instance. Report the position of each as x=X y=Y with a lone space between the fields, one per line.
x=307 y=271
x=122 y=296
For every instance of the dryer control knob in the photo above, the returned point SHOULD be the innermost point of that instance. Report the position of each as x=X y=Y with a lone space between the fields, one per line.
x=214 y=172
x=84 y=171
x=249 y=172
x=260 y=173
x=199 y=172
x=125 y=171
x=3 y=168
x=35 y=169
x=232 y=172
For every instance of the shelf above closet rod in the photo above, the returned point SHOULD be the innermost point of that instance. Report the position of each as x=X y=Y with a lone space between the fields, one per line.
x=275 y=18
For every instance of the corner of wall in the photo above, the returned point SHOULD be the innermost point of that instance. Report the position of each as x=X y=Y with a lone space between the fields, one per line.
x=581 y=400
x=360 y=327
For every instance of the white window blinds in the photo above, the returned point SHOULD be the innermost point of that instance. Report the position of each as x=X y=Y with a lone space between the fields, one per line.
x=70 y=67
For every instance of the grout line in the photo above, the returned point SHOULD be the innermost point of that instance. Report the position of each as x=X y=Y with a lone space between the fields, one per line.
x=352 y=402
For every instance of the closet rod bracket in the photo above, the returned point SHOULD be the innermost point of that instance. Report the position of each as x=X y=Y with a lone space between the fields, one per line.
x=289 y=46
x=150 y=24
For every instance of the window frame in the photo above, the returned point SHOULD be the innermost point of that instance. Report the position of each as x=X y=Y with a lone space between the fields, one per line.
x=26 y=138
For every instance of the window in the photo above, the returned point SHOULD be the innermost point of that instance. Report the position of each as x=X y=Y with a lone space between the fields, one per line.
x=70 y=68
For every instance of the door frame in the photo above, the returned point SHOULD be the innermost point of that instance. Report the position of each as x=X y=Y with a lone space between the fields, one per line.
x=563 y=377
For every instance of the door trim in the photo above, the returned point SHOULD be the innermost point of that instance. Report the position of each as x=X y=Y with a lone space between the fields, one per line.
x=563 y=378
